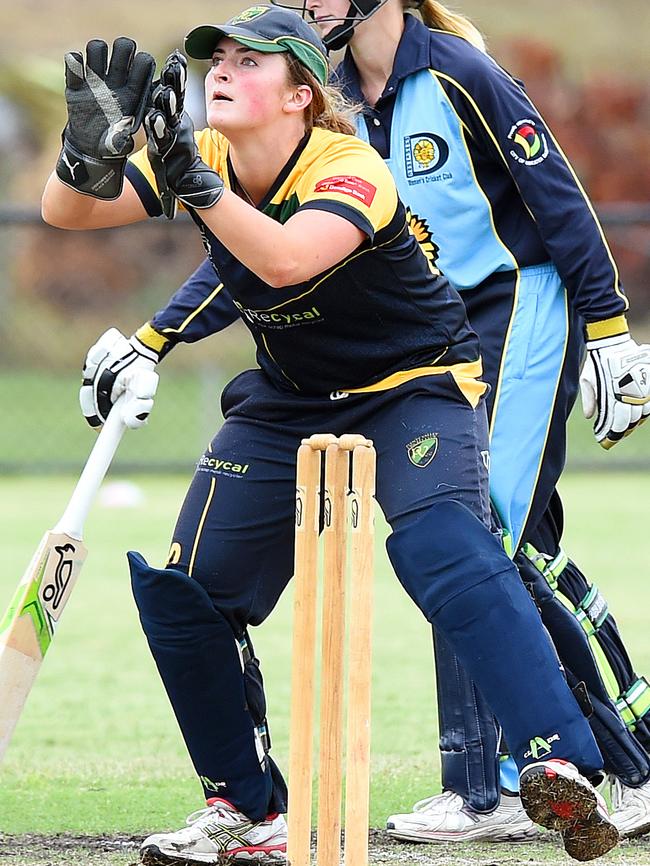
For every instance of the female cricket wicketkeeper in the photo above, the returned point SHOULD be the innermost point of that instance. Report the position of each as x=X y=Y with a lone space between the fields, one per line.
x=354 y=334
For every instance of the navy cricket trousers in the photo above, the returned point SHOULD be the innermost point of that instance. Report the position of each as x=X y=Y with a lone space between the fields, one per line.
x=232 y=556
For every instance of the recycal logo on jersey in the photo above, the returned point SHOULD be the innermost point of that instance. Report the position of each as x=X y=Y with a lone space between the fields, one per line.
x=530 y=146
x=278 y=321
x=424 y=154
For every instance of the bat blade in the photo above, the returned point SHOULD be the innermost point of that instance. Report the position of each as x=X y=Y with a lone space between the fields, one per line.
x=28 y=626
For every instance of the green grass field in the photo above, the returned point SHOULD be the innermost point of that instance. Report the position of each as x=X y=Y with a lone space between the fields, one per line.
x=97 y=750
x=185 y=417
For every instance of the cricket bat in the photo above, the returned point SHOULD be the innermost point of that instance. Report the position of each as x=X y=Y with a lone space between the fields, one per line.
x=28 y=626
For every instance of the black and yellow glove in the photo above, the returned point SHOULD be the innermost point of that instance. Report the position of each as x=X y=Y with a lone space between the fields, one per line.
x=106 y=102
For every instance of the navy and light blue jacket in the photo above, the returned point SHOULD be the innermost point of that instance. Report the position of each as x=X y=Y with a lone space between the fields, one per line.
x=486 y=182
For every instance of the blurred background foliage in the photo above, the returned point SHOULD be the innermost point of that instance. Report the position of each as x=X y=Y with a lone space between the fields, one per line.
x=585 y=63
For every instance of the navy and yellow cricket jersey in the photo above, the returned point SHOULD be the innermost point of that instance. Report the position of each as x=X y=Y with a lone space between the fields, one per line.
x=376 y=318
x=486 y=185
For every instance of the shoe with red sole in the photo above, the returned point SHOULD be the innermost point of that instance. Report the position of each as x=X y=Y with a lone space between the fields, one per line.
x=220 y=835
x=556 y=795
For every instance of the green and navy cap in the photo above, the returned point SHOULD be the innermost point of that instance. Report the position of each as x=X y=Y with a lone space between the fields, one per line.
x=268 y=29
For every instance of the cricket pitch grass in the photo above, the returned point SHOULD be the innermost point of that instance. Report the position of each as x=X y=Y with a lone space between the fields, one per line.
x=67 y=850
x=97 y=763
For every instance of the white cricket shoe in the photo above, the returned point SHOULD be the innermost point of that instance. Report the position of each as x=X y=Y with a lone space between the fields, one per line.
x=446 y=818
x=630 y=808
x=556 y=795
x=218 y=834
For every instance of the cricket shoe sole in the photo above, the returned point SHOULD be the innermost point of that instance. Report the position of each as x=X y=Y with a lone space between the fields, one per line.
x=153 y=856
x=557 y=796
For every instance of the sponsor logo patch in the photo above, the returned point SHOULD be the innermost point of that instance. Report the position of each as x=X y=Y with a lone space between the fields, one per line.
x=279 y=321
x=530 y=147
x=424 y=153
x=355 y=187
x=210 y=785
x=540 y=748
x=422 y=450
x=210 y=463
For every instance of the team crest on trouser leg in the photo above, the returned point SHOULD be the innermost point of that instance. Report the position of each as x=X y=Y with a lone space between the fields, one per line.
x=422 y=450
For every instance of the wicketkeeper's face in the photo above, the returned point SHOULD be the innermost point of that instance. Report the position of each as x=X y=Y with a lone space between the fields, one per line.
x=244 y=89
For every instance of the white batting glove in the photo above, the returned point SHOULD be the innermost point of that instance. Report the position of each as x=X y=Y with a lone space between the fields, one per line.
x=615 y=387
x=114 y=366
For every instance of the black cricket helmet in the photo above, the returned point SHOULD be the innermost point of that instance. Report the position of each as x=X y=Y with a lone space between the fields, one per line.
x=339 y=36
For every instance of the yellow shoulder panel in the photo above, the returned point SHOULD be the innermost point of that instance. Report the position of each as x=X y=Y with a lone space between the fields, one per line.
x=344 y=169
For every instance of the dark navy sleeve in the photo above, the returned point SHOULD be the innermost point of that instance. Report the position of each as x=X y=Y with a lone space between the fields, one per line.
x=503 y=121
x=200 y=307
x=147 y=196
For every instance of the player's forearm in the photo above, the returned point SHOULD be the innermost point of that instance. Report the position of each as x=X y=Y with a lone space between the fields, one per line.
x=64 y=208
x=269 y=249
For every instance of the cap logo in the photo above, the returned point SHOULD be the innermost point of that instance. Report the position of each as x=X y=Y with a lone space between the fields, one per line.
x=249 y=14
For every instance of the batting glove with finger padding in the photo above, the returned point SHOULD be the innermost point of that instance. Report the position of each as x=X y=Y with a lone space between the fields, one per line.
x=116 y=366
x=615 y=387
x=106 y=101
x=181 y=175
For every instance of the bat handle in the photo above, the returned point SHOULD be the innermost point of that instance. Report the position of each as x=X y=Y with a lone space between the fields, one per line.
x=73 y=518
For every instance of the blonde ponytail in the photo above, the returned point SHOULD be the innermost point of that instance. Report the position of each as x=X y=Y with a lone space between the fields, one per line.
x=439 y=17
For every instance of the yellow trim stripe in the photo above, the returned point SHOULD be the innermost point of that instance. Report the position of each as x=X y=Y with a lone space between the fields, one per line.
x=272 y=357
x=330 y=273
x=465 y=132
x=607 y=328
x=199 y=530
x=195 y=312
x=465 y=375
x=487 y=127
x=617 y=281
x=470 y=99
x=151 y=338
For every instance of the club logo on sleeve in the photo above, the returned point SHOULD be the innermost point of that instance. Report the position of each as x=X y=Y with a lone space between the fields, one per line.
x=530 y=147
x=424 y=153
x=249 y=14
x=355 y=187
x=422 y=450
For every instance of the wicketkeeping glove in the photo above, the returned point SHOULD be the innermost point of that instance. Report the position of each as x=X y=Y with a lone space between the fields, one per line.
x=113 y=366
x=106 y=105
x=615 y=387
x=180 y=172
